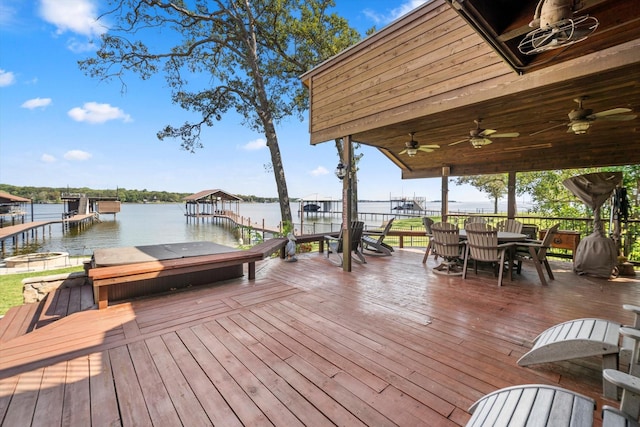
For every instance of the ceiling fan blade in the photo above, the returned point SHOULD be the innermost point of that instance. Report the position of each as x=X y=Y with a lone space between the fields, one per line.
x=549 y=128
x=430 y=146
x=487 y=132
x=506 y=135
x=621 y=118
x=608 y=113
x=425 y=149
x=458 y=142
x=403 y=151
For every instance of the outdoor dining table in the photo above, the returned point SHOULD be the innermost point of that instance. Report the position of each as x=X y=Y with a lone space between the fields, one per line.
x=505 y=237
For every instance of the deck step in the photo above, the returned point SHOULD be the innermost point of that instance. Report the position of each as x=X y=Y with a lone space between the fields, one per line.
x=25 y=318
x=20 y=320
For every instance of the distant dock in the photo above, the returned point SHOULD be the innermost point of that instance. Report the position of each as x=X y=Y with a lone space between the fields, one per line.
x=27 y=232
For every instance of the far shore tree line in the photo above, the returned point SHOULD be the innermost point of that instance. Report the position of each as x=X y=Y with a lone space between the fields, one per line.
x=547 y=194
x=54 y=195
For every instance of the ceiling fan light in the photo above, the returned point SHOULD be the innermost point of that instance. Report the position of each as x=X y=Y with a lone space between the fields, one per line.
x=580 y=127
x=477 y=142
x=412 y=152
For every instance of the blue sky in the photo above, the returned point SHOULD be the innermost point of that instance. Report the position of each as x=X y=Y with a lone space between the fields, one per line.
x=61 y=128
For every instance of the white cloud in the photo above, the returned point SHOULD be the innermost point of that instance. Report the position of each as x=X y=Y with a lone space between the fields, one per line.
x=92 y=112
x=257 y=144
x=47 y=158
x=78 y=155
x=36 y=103
x=77 y=46
x=393 y=14
x=320 y=170
x=7 y=78
x=77 y=16
x=7 y=15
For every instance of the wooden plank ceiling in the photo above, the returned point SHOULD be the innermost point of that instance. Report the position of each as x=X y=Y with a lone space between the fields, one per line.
x=485 y=78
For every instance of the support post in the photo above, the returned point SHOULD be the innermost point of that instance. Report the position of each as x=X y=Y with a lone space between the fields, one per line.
x=511 y=196
x=347 y=183
x=445 y=193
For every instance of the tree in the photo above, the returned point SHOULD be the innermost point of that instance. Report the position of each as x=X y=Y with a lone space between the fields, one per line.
x=549 y=195
x=494 y=185
x=253 y=51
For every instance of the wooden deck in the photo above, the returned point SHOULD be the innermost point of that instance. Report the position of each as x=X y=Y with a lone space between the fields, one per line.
x=304 y=344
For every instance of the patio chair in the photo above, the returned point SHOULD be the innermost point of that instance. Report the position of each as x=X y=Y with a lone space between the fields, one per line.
x=510 y=225
x=334 y=244
x=428 y=222
x=447 y=244
x=474 y=220
x=545 y=405
x=373 y=240
x=482 y=246
x=532 y=404
x=536 y=251
x=629 y=412
x=588 y=337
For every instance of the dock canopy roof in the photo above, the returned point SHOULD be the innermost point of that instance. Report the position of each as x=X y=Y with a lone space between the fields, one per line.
x=449 y=63
x=211 y=195
x=10 y=198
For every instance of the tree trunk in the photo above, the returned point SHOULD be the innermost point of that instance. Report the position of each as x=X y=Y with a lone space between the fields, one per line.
x=278 y=172
x=266 y=117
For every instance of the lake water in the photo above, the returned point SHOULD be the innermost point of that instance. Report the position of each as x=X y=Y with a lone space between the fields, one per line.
x=150 y=224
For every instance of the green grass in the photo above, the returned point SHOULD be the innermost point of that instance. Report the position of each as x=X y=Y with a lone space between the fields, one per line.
x=11 y=285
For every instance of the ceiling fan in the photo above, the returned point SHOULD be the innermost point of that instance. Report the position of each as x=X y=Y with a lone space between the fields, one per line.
x=413 y=146
x=479 y=137
x=580 y=119
x=555 y=27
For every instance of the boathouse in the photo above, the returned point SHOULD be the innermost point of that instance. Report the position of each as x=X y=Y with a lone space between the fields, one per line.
x=81 y=204
x=318 y=204
x=13 y=208
x=209 y=203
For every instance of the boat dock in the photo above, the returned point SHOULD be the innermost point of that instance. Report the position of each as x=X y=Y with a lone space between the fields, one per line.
x=29 y=231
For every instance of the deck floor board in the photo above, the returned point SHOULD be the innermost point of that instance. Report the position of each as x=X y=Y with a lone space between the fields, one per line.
x=305 y=343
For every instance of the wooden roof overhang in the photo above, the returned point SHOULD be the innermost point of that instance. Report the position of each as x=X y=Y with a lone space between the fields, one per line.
x=448 y=63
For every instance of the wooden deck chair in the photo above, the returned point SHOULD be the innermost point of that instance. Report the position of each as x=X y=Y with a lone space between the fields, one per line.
x=373 y=240
x=532 y=404
x=536 y=251
x=428 y=222
x=510 y=225
x=482 y=246
x=334 y=244
x=545 y=405
x=628 y=414
x=447 y=244
x=580 y=338
x=473 y=220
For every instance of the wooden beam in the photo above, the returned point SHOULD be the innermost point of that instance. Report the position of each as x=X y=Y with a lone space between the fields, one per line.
x=347 y=188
